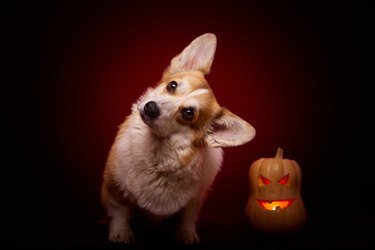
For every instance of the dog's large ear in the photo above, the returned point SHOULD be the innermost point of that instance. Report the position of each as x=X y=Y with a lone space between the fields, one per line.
x=229 y=130
x=198 y=55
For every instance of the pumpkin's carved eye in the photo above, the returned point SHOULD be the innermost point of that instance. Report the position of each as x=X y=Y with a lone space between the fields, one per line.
x=284 y=180
x=262 y=181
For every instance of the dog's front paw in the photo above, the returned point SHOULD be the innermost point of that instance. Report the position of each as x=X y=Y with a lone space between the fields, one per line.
x=187 y=236
x=122 y=236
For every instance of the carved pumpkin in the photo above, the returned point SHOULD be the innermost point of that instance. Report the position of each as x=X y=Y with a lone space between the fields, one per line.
x=275 y=204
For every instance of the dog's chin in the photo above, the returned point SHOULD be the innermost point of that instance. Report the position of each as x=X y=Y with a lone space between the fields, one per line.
x=151 y=123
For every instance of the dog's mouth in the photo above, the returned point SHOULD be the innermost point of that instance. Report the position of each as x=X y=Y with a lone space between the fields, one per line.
x=147 y=120
x=273 y=205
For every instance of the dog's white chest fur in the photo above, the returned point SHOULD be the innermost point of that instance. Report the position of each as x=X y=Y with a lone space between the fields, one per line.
x=149 y=169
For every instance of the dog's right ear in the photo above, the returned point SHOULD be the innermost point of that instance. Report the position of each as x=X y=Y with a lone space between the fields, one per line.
x=198 y=55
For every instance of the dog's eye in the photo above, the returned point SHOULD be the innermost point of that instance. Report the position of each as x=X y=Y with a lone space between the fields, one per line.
x=188 y=114
x=172 y=86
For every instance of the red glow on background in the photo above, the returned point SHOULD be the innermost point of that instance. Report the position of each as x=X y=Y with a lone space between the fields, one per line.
x=291 y=69
x=259 y=72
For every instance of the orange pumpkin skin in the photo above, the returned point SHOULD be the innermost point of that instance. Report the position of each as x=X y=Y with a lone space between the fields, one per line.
x=275 y=204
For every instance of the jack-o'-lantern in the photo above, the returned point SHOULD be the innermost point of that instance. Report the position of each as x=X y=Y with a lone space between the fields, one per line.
x=275 y=204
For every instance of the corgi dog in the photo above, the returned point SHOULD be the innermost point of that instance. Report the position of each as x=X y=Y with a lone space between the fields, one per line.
x=168 y=151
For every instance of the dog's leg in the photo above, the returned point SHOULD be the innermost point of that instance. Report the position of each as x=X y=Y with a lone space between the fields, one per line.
x=187 y=229
x=119 y=228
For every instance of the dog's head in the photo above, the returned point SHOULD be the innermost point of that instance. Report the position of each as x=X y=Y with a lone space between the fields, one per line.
x=184 y=104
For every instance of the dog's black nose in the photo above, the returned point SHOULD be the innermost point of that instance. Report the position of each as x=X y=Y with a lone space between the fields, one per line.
x=151 y=109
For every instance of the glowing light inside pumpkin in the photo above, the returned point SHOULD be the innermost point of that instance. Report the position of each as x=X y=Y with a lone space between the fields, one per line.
x=275 y=204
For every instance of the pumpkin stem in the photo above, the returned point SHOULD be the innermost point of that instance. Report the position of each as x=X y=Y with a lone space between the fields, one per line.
x=279 y=153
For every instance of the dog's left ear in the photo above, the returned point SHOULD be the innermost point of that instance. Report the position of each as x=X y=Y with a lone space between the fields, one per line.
x=198 y=55
x=229 y=130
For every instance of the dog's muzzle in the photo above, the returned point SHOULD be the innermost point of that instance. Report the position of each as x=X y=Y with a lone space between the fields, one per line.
x=150 y=111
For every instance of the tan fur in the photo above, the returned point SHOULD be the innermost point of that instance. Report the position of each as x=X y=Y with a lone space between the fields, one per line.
x=162 y=161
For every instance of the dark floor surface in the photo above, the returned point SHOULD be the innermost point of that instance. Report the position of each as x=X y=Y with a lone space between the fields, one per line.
x=217 y=229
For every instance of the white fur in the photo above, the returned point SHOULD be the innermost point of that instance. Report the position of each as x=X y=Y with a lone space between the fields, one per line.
x=159 y=183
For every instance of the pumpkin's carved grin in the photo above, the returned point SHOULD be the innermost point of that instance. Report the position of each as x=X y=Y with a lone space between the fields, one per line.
x=273 y=205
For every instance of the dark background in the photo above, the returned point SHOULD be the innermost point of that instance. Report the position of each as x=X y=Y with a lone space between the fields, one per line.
x=298 y=71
